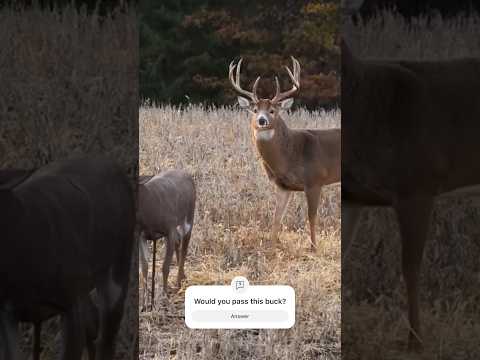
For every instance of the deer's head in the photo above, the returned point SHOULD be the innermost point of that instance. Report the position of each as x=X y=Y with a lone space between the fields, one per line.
x=265 y=113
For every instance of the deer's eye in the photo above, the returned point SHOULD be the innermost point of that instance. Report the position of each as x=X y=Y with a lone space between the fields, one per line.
x=272 y=112
x=255 y=110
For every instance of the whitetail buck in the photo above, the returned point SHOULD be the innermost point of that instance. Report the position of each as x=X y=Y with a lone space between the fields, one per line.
x=410 y=132
x=294 y=159
x=166 y=207
x=67 y=229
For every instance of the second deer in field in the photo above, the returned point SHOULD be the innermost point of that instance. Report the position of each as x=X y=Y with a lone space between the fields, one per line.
x=166 y=206
x=294 y=159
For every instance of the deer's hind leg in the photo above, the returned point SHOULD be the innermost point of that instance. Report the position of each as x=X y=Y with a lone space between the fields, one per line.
x=171 y=240
x=313 y=198
x=183 y=254
x=112 y=292
x=414 y=218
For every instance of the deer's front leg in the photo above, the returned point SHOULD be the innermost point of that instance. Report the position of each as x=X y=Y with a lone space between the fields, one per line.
x=282 y=198
x=313 y=198
x=413 y=217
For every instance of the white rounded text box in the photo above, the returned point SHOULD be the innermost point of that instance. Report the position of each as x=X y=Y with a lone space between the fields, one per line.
x=240 y=306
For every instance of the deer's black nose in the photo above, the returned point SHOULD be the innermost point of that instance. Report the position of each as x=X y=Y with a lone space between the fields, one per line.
x=262 y=121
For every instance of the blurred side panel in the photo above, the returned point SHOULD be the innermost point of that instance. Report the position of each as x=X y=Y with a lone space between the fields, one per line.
x=70 y=89
x=410 y=209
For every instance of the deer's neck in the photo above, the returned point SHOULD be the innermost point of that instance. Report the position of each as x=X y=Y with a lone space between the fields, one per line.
x=276 y=149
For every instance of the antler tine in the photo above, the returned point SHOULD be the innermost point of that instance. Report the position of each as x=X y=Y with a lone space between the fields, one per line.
x=296 y=72
x=295 y=77
x=236 y=80
x=237 y=77
x=277 y=84
x=255 y=85
x=231 y=68
x=292 y=76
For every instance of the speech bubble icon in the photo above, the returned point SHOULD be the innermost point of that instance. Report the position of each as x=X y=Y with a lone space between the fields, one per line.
x=240 y=284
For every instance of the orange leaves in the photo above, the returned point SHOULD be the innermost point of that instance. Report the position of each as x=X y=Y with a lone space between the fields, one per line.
x=205 y=38
x=321 y=89
x=318 y=8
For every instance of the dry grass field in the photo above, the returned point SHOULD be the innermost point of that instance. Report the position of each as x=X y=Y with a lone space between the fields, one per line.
x=374 y=323
x=232 y=221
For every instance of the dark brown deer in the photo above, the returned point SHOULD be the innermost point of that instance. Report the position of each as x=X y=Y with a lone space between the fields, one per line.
x=67 y=229
x=166 y=208
x=410 y=132
x=89 y=311
x=294 y=159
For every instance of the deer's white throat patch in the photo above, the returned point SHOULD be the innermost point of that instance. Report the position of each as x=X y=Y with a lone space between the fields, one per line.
x=264 y=135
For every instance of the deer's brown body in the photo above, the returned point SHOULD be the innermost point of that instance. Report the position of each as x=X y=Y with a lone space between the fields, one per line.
x=410 y=132
x=297 y=159
x=294 y=159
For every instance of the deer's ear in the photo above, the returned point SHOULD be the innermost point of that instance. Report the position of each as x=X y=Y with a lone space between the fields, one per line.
x=243 y=102
x=286 y=104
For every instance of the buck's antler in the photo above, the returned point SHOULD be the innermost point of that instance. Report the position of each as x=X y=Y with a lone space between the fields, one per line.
x=295 y=77
x=236 y=82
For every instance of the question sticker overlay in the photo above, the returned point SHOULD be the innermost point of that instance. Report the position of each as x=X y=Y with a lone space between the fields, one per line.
x=240 y=306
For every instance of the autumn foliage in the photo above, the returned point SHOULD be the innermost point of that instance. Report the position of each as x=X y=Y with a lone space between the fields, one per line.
x=186 y=47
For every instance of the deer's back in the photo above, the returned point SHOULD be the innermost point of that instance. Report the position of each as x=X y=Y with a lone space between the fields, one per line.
x=166 y=201
x=410 y=126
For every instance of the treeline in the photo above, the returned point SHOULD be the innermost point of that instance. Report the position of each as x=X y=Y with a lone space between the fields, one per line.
x=102 y=7
x=186 y=46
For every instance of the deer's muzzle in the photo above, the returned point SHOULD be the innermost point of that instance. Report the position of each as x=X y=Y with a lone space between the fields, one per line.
x=262 y=121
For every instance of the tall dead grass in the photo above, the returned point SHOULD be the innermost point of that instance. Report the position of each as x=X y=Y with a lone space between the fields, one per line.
x=232 y=221
x=374 y=324
x=69 y=86
x=390 y=36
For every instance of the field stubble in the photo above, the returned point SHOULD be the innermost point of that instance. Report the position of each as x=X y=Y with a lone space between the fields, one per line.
x=235 y=205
